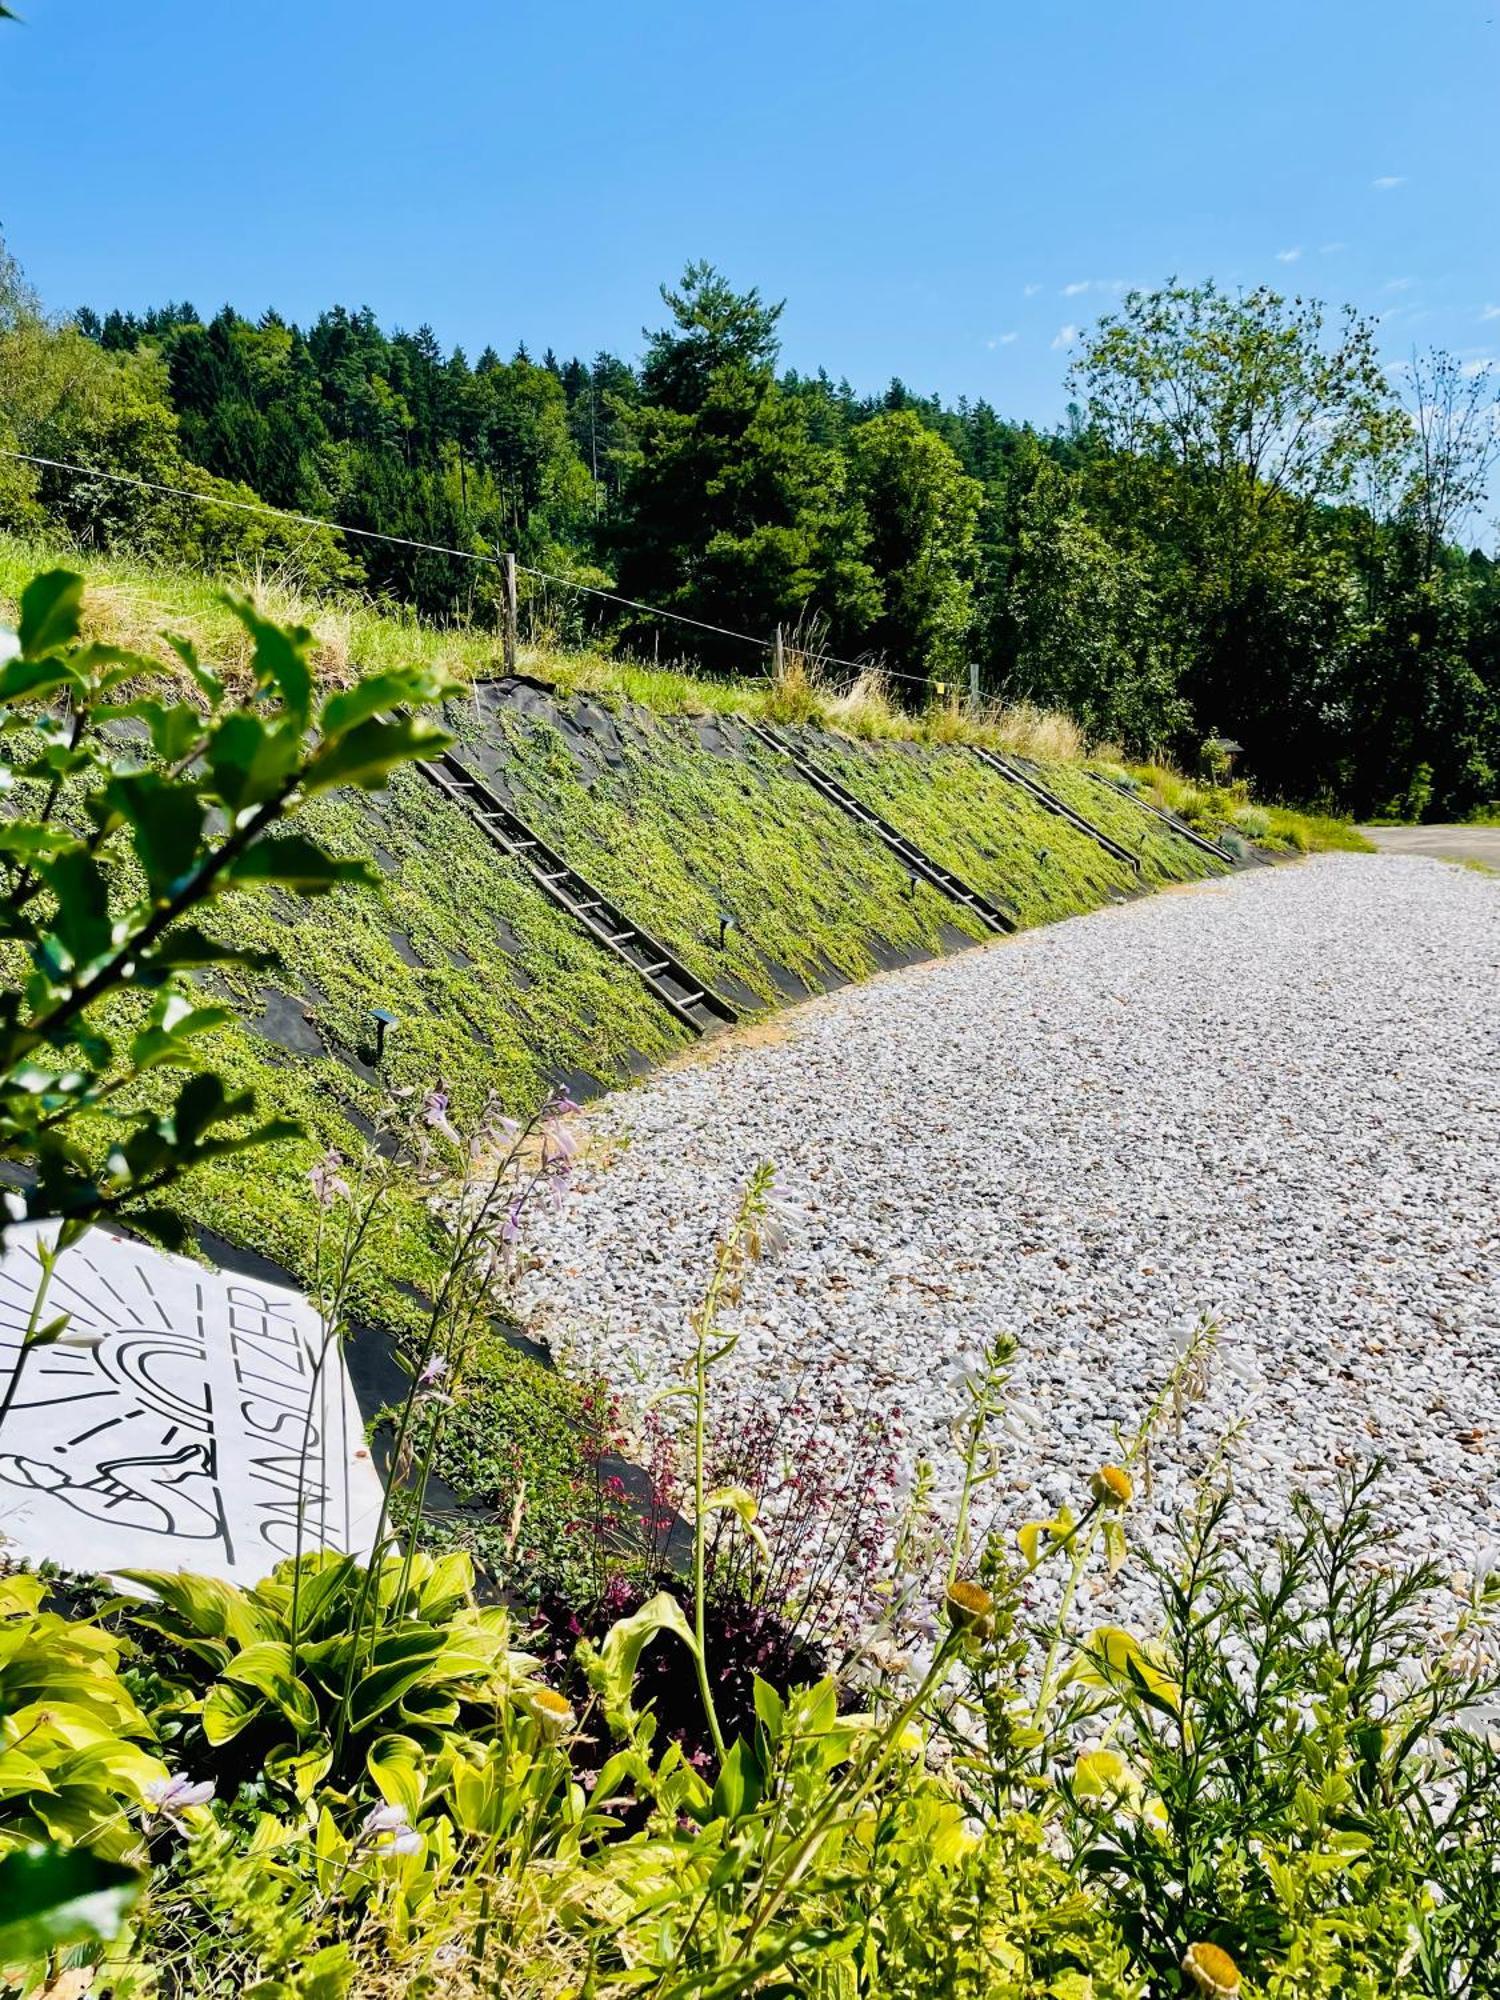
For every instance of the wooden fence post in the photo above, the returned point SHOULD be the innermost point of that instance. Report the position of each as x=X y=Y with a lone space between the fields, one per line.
x=510 y=612
x=778 y=660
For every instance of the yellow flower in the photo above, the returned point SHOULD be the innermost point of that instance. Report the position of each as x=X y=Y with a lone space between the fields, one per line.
x=971 y=1609
x=1111 y=1486
x=1212 y=1971
x=549 y=1709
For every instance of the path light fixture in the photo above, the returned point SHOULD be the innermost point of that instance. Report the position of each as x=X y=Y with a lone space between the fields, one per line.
x=384 y=1021
x=911 y=888
x=726 y=925
x=1044 y=854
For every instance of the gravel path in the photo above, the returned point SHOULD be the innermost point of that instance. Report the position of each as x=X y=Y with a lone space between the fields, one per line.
x=1275 y=1100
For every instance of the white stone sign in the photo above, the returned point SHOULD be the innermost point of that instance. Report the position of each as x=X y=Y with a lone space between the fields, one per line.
x=182 y=1424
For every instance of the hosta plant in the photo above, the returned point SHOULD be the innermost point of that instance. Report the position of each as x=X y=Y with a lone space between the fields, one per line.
x=413 y=1655
x=77 y=1762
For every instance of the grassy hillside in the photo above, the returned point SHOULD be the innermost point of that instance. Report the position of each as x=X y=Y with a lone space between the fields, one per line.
x=651 y=786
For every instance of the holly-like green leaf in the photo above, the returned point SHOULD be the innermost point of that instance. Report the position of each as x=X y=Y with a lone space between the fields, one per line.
x=26 y=839
x=81 y=929
x=35 y=680
x=280 y=659
x=208 y=684
x=295 y=862
x=367 y=754
x=165 y=817
x=250 y=759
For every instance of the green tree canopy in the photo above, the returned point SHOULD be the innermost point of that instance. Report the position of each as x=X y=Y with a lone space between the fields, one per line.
x=922 y=510
x=729 y=511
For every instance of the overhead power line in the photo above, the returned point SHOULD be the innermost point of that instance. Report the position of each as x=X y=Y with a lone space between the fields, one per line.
x=437 y=549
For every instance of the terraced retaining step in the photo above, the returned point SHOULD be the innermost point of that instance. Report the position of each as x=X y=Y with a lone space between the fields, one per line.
x=1051 y=803
x=999 y=917
x=1178 y=826
x=658 y=968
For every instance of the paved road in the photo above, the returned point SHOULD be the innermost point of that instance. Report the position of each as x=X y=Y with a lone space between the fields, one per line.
x=1443 y=843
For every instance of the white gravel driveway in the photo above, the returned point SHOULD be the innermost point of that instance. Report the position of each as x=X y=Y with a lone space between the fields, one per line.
x=1275 y=1100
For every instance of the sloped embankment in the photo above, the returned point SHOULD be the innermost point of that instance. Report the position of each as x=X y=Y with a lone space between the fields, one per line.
x=702 y=832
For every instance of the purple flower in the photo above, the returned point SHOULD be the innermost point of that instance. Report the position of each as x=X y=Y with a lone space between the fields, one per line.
x=435 y=1370
x=435 y=1113
x=389 y=1829
x=327 y=1182
x=171 y=1797
x=561 y=1105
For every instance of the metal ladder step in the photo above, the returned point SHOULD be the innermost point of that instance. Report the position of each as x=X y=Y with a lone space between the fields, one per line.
x=997 y=916
x=1060 y=808
x=604 y=921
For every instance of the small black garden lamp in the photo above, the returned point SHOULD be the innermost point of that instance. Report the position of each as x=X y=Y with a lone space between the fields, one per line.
x=726 y=925
x=384 y=1020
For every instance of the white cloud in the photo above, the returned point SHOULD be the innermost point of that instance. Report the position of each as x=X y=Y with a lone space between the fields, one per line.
x=1065 y=336
x=1399 y=284
x=1289 y=256
x=1490 y=312
x=1001 y=339
x=1329 y=249
x=1387 y=181
x=1072 y=291
x=1030 y=291
x=1472 y=368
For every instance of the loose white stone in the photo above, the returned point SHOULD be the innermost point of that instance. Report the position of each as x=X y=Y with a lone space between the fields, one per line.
x=1273 y=1100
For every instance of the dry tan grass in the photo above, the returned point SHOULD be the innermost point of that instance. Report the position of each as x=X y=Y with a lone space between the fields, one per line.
x=866 y=708
x=1044 y=733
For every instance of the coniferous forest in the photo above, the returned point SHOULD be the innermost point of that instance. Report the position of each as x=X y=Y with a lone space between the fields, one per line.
x=1245 y=528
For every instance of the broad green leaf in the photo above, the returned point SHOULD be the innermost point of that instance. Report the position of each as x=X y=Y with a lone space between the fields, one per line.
x=52 y=1898
x=33 y=680
x=737 y=1500
x=280 y=656
x=165 y=817
x=373 y=695
x=174 y=1023
x=740 y=1783
x=27 y=838
x=267 y=1667
x=174 y=727
x=366 y=754
x=208 y=684
x=770 y=1709
x=398 y=1764
x=293 y=862
x=619 y=1656
x=82 y=931
x=51 y=612
x=250 y=759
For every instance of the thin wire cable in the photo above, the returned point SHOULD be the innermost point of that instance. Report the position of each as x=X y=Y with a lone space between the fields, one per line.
x=244 y=506
x=437 y=549
x=652 y=610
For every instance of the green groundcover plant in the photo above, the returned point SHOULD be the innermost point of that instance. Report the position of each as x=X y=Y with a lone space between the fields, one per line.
x=355 y=1779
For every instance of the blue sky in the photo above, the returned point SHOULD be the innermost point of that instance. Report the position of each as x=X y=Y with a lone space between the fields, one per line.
x=940 y=192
